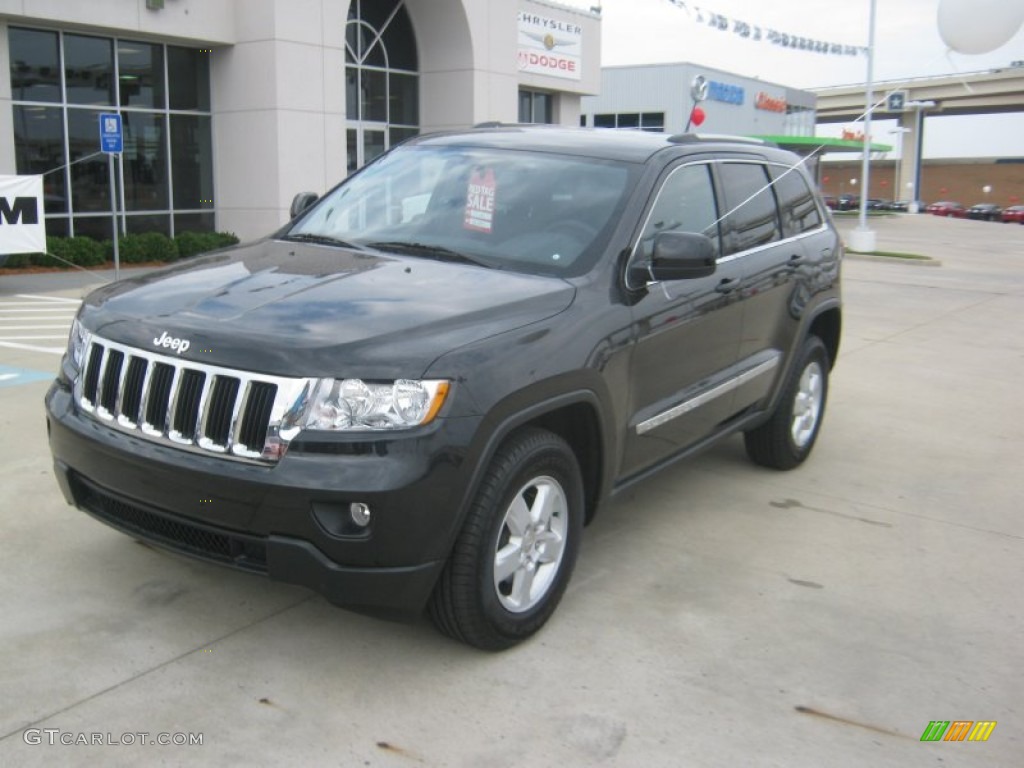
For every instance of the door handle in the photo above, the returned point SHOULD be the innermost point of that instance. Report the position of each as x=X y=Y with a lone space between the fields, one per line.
x=796 y=260
x=727 y=285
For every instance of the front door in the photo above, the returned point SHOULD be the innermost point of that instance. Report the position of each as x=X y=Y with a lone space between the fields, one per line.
x=686 y=332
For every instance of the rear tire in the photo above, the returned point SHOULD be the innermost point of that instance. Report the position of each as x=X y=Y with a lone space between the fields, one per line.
x=786 y=439
x=513 y=558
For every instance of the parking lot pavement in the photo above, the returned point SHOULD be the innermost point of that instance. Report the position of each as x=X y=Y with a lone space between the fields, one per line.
x=720 y=614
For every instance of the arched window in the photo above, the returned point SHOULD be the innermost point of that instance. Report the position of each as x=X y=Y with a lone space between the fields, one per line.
x=381 y=78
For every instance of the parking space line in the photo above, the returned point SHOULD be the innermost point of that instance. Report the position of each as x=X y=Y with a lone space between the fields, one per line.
x=32 y=348
x=30 y=320
x=48 y=298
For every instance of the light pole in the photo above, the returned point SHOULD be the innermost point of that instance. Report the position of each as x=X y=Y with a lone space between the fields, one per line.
x=862 y=238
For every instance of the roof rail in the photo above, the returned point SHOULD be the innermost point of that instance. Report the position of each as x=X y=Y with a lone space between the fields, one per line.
x=691 y=138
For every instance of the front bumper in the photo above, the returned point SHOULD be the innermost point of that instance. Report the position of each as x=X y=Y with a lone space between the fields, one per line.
x=288 y=521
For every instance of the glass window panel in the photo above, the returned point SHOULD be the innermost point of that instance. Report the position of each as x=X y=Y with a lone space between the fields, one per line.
x=352 y=149
x=652 y=121
x=137 y=225
x=352 y=93
x=96 y=227
x=373 y=53
x=373 y=145
x=377 y=12
x=35 y=65
x=375 y=100
x=90 y=182
x=141 y=74
x=525 y=107
x=543 y=108
x=629 y=120
x=192 y=161
x=193 y=222
x=39 y=147
x=58 y=226
x=89 y=70
x=756 y=221
x=796 y=202
x=686 y=203
x=604 y=121
x=145 y=162
x=400 y=41
x=398 y=135
x=188 y=70
x=405 y=107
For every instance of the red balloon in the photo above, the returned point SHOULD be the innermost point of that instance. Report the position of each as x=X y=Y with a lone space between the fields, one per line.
x=697 y=116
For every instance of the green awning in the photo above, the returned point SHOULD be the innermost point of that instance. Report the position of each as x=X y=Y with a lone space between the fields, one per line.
x=803 y=144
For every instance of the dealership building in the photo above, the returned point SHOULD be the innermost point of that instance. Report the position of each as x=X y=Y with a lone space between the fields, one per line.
x=659 y=97
x=230 y=107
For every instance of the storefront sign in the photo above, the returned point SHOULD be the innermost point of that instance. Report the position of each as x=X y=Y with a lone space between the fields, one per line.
x=22 y=226
x=550 y=47
x=729 y=94
x=769 y=103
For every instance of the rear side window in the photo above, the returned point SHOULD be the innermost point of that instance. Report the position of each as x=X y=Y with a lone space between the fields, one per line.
x=753 y=218
x=685 y=203
x=797 y=207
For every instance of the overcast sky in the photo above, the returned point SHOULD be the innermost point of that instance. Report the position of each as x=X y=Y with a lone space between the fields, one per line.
x=907 y=44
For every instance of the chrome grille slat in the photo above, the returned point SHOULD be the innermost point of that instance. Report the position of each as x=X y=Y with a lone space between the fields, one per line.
x=193 y=406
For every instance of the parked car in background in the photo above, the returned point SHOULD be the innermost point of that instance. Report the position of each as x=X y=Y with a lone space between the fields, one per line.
x=877 y=204
x=847 y=203
x=947 y=208
x=903 y=206
x=984 y=212
x=831 y=201
x=1013 y=214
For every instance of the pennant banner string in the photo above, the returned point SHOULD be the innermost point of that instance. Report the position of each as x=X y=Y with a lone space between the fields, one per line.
x=758 y=33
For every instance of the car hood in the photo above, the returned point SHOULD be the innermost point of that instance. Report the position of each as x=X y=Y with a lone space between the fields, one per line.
x=296 y=309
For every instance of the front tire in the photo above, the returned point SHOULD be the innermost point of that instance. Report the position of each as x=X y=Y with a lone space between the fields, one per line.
x=786 y=439
x=513 y=558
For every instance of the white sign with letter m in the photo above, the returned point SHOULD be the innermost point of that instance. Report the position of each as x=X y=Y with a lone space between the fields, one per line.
x=22 y=223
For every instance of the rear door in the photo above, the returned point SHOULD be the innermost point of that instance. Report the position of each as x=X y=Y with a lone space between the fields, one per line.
x=776 y=229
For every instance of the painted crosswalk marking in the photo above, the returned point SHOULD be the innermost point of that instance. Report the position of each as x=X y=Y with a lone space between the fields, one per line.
x=34 y=323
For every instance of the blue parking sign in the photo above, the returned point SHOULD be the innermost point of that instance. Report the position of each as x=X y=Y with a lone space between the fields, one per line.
x=111 y=136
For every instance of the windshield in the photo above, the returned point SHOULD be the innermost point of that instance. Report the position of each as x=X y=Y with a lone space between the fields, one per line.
x=527 y=211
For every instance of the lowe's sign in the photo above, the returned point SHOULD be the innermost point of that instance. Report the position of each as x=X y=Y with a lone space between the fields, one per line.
x=22 y=225
x=730 y=94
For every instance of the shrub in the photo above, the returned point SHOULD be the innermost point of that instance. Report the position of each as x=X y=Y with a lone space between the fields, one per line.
x=83 y=251
x=148 y=246
x=132 y=249
x=193 y=243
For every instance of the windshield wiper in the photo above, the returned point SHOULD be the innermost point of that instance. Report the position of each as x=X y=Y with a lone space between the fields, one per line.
x=306 y=237
x=438 y=252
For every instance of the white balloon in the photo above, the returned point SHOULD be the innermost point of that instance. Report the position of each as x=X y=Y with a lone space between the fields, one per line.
x=979 y=26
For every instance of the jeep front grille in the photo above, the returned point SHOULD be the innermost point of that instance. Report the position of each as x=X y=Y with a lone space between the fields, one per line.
x=190 y=405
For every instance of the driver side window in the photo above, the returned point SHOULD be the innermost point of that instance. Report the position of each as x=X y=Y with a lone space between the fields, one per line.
x=685 y=203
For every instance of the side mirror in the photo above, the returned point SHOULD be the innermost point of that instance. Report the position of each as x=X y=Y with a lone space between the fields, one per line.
x=301 y=202
x=677 y=256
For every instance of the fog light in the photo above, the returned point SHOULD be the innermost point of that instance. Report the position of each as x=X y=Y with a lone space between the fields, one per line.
x=360 y=513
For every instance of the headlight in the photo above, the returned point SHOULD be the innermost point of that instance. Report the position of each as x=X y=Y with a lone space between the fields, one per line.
x=353 y=404
x=78 y=345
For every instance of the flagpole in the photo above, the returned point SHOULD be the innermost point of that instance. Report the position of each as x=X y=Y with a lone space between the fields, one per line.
x=862 y=238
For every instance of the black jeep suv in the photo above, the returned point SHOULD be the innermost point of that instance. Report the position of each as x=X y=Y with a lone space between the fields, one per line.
x=416 y=394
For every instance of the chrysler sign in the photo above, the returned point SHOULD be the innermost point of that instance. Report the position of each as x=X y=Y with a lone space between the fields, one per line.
x=549 y=47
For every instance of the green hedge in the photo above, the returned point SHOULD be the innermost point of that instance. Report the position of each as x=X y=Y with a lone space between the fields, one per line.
x=132 y=249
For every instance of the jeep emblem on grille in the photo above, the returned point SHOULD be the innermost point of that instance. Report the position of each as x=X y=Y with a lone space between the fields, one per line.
x=178 y=345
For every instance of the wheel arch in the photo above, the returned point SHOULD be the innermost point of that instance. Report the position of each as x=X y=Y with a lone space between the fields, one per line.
x=827 y=326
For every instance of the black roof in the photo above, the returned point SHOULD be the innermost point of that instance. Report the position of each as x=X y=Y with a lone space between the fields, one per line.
x=625 y=145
